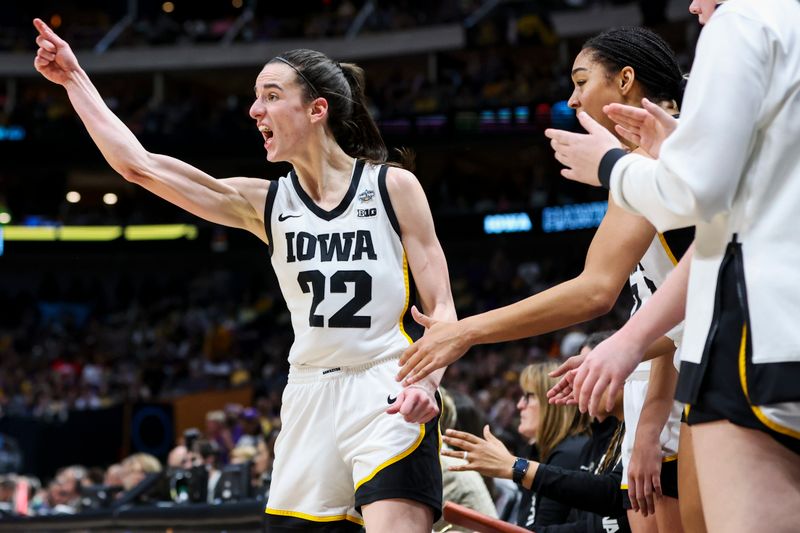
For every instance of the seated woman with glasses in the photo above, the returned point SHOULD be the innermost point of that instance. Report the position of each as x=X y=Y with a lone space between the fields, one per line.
x=557 y=435
x=591 y=489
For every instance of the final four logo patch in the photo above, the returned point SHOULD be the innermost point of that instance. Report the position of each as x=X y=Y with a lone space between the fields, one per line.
x=366 y=196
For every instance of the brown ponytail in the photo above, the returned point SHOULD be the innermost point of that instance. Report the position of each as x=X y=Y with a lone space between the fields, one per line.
x=342 y=85
x=358 y=134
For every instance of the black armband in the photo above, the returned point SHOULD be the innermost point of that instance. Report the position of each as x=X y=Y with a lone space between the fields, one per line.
x=607 y=165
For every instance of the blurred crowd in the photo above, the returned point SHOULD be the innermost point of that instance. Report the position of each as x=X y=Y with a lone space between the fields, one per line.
x=237 y=440
x=247 y=21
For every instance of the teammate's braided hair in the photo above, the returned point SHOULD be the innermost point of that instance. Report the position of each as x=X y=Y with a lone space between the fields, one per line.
x=651 y=58
x=342 y=85
x=613 y=451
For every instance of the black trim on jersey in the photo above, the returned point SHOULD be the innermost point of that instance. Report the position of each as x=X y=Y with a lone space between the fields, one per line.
x=271 y=194
x=411 y=327
x=339 y=209
x=679 y=240
x=387 y=202
x=417 y=477
x=279 y=523
x=607 y=165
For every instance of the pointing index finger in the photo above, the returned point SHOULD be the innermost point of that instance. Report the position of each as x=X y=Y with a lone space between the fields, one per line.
x=46 y=31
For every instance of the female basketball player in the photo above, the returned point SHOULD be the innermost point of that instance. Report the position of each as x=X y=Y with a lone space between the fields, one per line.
x=343 y=229
x=621 y=65
x=739 y=369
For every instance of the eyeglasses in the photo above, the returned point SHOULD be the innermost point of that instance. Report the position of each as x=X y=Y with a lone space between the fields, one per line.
x=526 y=398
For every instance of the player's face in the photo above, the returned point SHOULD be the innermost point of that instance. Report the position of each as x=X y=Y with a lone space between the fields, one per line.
x=528 y=406
x=593 y=88
x=703 y=9
x=261 y=461
x=280 y=112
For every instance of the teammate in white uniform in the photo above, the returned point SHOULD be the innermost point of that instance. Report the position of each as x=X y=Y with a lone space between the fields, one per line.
x=344 y=230
x=739 y=359
x=658 y=261
x=621 y=65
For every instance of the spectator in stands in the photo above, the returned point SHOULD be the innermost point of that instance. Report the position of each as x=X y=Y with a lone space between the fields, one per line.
x=179 y=457
x=233 y=419
x=136 y=467
x=593 y=488
x=557 y=436
x=62 y=494
x=262 y=464
x=208 y=453
x=218 y=431
x=251 y=427
x=7 y=486
x=113 y=476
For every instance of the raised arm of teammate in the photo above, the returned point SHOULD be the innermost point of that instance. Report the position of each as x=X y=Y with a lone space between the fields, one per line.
x=619 y=244
x=429 y=267
x=235 y=202
x=562 y=393
x=607 y=366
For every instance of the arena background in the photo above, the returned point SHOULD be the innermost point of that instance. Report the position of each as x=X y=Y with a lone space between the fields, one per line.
x=124 y=321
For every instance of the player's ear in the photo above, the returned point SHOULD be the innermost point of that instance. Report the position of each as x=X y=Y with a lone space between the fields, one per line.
x=625 y=80
x=319 y=109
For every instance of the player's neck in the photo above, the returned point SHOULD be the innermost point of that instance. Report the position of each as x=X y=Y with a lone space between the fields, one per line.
x=324 y=171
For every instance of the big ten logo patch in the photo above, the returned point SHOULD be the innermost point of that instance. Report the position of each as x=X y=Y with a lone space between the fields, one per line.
x=363 y=213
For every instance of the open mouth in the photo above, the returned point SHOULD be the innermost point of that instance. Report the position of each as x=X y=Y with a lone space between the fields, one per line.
x=266 y=132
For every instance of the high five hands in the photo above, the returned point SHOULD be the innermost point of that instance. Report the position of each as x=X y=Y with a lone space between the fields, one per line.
x=442 y=344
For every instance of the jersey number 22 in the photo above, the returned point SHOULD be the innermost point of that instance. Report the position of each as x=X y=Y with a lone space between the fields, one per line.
x=346 y=317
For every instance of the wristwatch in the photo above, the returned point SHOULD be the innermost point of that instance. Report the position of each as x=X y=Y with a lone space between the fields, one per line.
x=519 y=469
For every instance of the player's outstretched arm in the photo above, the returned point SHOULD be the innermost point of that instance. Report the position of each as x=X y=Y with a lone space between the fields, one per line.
x=428 y=264
x=237 y=202
x=562 y=392
x=607 y=366
x=619 y=244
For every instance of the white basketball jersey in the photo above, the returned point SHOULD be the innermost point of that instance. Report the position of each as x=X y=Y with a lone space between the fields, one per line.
x=342 y=272
x=656 y=264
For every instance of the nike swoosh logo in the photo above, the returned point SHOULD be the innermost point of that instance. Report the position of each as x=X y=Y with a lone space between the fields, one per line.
x=283 y=217
x=391 y=400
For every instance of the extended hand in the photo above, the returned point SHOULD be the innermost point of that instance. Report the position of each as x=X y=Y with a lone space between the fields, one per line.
x=562 y=392
x=606 y=367
x=647 y=126
x=644 y=476
x=581 y=153
x=417 y=404
x=442 y=344
x=54 y=58
x=488 y=455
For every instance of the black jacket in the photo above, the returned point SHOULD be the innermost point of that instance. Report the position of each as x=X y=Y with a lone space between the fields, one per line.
x=537 y=510
x=596 y=498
